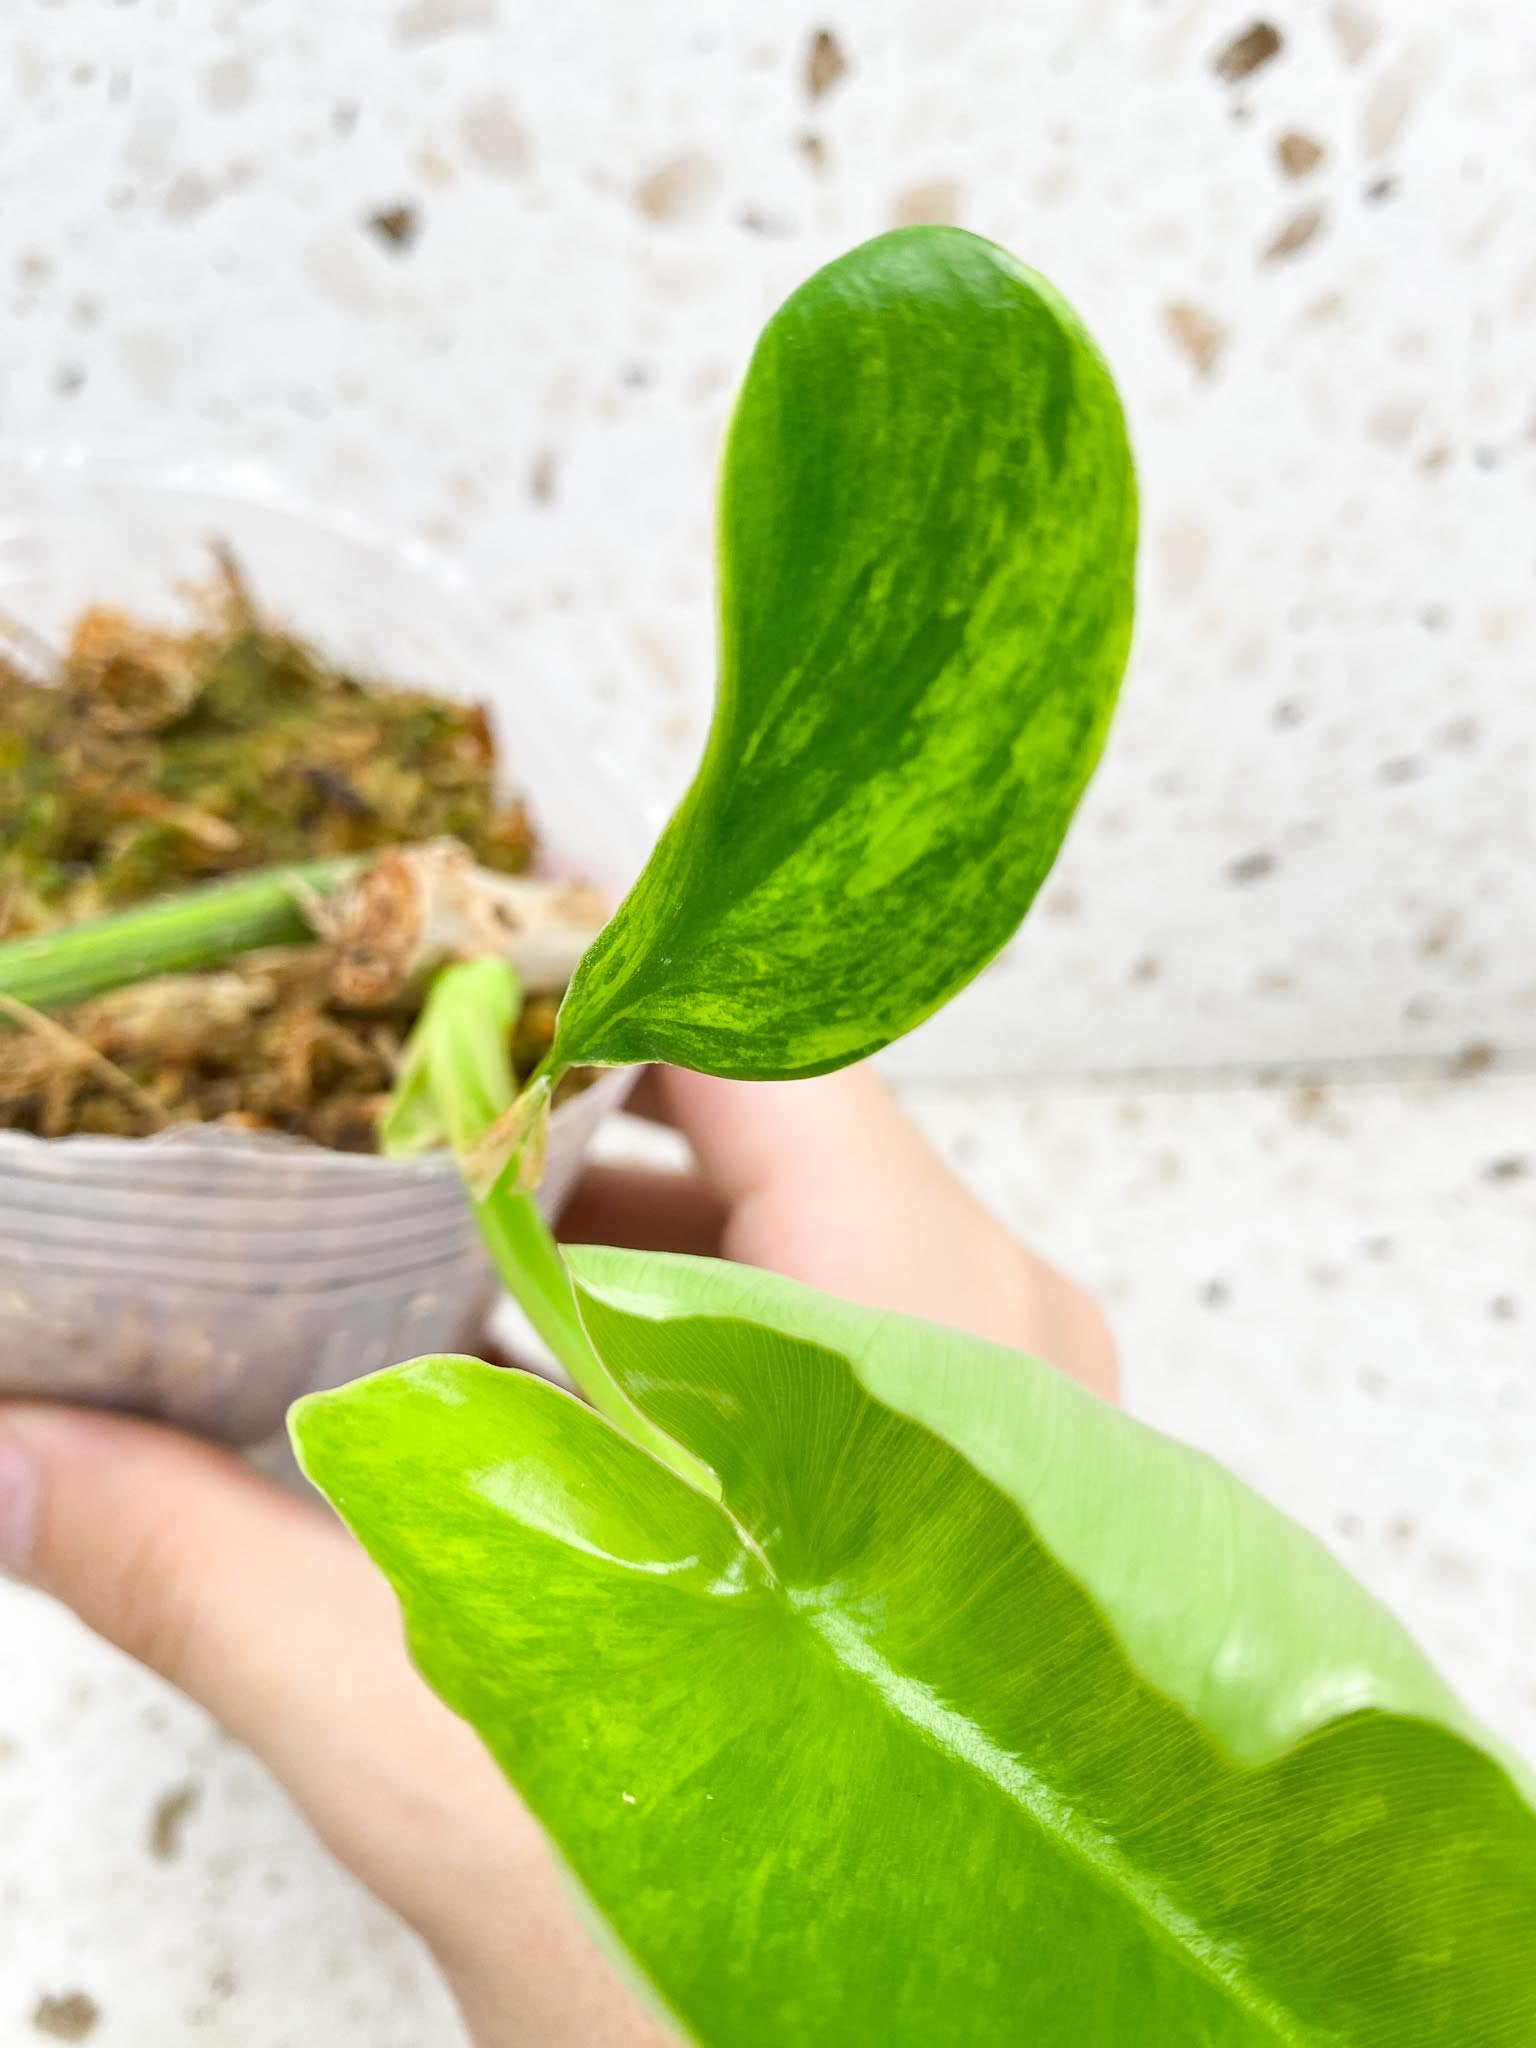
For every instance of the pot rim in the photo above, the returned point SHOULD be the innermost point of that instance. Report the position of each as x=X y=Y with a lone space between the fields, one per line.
x=250 y=483
x=234 y=1144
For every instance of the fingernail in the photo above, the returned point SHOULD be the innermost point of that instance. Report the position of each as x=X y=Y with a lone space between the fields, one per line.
x=21 y=1492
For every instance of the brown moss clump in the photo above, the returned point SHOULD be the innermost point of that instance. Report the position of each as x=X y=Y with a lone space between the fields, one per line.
x=260 y=1045
x=150 y=761
x=154 y=760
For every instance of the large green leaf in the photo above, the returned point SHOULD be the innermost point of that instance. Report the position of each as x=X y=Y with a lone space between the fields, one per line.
x=975 y=1714
x=927 y=536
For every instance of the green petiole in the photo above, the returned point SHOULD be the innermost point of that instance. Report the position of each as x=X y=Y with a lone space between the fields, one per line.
x=200 y=929
x=456 y=1081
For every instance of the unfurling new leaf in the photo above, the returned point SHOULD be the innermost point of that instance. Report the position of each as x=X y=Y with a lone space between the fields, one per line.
x=454 y=1086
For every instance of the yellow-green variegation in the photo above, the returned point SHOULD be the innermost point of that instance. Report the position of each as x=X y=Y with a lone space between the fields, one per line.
x=973 y=1714
x=927 y=536
x=880 y=1688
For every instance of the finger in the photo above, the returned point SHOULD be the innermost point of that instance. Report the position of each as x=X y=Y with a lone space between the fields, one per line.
x=262 y=1609
x=746 y=1134
x=826 y=1181
x=231 y=1589
x=648 y=1098
x=663 y=1212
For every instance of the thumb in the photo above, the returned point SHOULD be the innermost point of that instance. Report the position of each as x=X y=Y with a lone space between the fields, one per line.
x=248 y=1599
x=216 y=1579
x=263 y=1610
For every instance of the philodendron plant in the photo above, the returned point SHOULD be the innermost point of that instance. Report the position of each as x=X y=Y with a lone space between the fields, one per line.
x=876 y=1684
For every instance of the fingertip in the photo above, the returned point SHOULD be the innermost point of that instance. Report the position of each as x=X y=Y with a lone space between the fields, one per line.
x=707 y=1095
x=650 y=1211
x=745 y=1132
x=58 y=1429
x=133 y=1526
x=261 y=1609
x=83 y=1446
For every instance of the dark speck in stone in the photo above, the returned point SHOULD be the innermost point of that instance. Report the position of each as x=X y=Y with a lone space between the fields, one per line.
x=542 y=474
x=396 y=226
x=1475 y=1058
x=71 y=2016
x=1298 y=154
x=168 y=1821
x=1512 y=1166
x=825 y=64
x=756 y=222
x=1249 y=52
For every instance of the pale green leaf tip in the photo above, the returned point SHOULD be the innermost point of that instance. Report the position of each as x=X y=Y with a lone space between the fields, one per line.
x=315 y=1420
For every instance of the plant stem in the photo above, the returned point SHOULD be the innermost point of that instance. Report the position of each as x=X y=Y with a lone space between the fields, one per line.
x=415 y=908
x=455 y=1081
x=202 y=928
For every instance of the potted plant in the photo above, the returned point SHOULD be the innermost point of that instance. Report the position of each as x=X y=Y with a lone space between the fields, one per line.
x=195 y=1221
x=874 y=1683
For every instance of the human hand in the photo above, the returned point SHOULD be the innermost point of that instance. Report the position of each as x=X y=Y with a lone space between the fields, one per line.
x=827 y=1182
x=257 y=1604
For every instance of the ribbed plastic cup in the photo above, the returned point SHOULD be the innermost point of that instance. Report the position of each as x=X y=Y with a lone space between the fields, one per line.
x=207 y=1276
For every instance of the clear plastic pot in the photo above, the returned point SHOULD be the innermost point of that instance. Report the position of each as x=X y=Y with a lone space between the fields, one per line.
x=209 y=1277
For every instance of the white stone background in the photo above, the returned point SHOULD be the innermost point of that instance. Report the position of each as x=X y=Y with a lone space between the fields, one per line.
x=1260 y=1066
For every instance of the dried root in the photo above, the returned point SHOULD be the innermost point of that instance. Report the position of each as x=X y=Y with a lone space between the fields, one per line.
x=143 y=761
x=418 y=907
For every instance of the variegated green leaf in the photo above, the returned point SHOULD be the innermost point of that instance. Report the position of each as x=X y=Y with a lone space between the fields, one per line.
x=927 y=534
x=975 y=1715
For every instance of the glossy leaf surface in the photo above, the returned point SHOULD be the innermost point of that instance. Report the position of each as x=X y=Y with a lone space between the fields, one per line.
x=976 y=1714
x=926 y=535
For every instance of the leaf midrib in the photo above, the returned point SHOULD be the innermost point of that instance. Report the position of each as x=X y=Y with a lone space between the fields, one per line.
x=856 y=1653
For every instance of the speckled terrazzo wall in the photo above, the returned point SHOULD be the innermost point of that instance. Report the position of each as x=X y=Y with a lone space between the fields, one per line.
x=486 y=272
x=482 y=272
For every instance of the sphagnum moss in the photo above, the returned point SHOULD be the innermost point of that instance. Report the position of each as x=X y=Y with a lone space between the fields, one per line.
x=149 y=762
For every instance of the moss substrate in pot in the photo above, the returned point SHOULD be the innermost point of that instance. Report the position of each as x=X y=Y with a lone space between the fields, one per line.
x=194 y=1219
